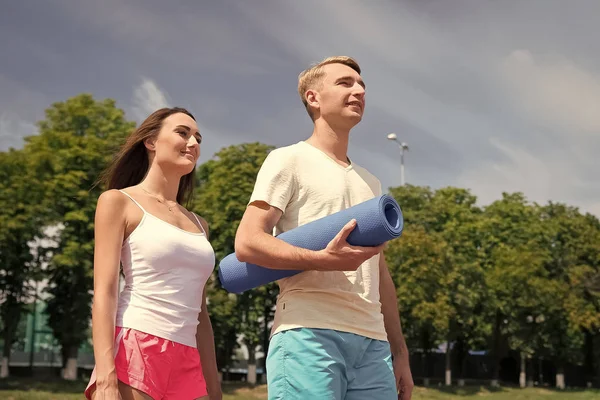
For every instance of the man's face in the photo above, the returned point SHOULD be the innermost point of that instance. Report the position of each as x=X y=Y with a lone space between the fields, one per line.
x=342 y=95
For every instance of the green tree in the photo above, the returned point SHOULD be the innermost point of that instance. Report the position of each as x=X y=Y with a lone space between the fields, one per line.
x=437 y=271
x=75 y=143
x=455 y=217
x=572 y=241
x=225 y=185
x=414 y=261
x=586 y=280
x=19 y=226
x=513 y=256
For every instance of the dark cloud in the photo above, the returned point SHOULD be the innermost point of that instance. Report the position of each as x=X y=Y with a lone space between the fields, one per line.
x=494 y=96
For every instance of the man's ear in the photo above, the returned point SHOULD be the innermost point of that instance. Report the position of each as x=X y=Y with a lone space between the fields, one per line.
x=312 y=98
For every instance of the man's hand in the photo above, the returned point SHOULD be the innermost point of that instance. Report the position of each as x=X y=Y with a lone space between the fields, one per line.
x=339 y=255
x=404 y=380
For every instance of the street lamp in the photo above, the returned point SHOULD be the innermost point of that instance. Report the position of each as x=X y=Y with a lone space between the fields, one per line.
x=403 y=146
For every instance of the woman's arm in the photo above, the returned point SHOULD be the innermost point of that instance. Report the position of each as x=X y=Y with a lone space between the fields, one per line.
x=205 y=342
x=206 y=347
x=109 y=229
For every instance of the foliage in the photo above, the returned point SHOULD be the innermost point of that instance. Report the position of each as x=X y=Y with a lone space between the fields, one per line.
x=19 y=227
x=225 y=186
x=75 y=142
x=508 y=276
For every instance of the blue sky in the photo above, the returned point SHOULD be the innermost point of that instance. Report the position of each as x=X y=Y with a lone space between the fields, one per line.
x=491 y=96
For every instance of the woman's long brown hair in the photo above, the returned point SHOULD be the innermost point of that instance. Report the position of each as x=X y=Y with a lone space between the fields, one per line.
x=130 y=165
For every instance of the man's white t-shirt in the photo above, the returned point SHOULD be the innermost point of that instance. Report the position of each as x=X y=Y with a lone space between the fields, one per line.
x=306 y=184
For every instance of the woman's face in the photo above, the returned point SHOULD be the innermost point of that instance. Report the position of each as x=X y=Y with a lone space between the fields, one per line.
x=177 y=145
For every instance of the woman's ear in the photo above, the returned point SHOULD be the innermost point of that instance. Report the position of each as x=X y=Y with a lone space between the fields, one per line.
x=150 y=143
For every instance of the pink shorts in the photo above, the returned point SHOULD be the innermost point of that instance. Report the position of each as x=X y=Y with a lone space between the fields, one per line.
x=158 y=367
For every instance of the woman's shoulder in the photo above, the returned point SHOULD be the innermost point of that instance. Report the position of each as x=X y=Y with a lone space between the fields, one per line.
x=118 y=196
x=201 y=220
x=112 y=197
x=116 y=200
x=111 y=206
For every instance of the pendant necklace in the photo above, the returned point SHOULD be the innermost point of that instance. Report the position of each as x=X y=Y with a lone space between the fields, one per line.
x=157 y=199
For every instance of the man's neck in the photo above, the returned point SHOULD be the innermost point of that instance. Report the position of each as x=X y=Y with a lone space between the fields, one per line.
x=331 y=141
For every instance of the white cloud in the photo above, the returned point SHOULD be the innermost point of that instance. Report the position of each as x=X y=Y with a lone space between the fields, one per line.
x=147 y=98
x=593 y=209
x=527 y=125
x=190 y=36
x=20 y=107
x=394 y=45
x=541 y=177
x=382 y=33
x=521 y=171
x=505 y=99
x=13 y=129
x=555 y=93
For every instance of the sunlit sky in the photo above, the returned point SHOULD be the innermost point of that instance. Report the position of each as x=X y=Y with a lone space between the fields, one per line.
x=490 y=95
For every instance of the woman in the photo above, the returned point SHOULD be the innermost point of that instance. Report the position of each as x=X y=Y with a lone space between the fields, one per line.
x=150 y=338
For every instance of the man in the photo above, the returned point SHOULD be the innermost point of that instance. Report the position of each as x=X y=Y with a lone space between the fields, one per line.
x=336 y=332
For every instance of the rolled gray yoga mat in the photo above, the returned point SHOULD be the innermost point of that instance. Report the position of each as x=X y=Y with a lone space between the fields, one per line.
x=377 y=221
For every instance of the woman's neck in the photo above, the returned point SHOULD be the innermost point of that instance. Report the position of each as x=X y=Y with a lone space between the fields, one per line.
x=158 y=183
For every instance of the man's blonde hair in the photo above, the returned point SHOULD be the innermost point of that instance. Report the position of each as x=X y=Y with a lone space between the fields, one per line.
x=312 y=77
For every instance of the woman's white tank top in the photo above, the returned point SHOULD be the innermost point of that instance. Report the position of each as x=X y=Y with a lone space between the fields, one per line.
x=166 y=269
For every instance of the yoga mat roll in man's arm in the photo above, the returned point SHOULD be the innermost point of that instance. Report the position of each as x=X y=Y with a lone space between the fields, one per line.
x=377 y=221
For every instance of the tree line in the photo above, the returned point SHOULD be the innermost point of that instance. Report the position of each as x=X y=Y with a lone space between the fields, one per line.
x=511 y=276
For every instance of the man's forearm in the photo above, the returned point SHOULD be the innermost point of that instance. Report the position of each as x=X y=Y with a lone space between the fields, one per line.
x=389 y=309
x=270 y=252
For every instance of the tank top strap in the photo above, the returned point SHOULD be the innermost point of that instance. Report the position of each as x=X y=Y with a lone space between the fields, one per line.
x=132 y=199
x=198 y=220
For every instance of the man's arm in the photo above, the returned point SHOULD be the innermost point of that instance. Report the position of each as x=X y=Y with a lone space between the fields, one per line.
x=389 y=308
x=255 y=244
x=391 y=319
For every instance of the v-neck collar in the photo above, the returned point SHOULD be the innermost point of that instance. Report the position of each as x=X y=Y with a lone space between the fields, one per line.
x=347 y=168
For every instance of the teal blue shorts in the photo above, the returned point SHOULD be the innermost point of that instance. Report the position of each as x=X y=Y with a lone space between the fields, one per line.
x=325 y=364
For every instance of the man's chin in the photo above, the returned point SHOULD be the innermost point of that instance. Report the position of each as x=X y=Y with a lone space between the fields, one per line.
x=355 y=117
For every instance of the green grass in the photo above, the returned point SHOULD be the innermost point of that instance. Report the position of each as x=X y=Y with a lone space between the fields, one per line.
x=503 y=393
x=29 y=389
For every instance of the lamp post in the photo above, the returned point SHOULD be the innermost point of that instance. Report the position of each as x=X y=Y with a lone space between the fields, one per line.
x=403 y=147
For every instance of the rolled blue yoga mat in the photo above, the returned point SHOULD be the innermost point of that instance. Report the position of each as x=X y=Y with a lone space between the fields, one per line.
x=377 y=221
